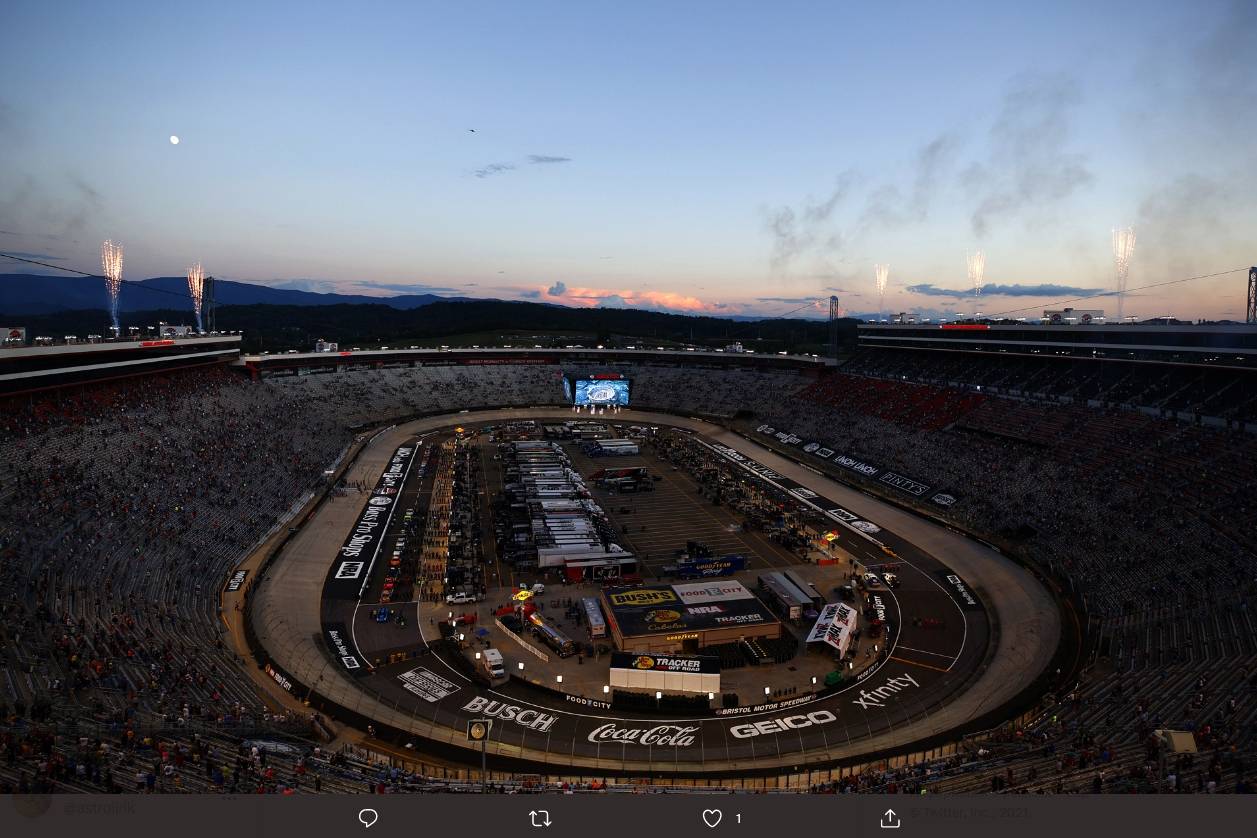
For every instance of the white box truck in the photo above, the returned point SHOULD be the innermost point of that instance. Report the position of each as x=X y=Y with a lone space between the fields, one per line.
x=491 y=661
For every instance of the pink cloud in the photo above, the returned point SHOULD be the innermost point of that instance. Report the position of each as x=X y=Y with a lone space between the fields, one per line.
x=591 y=297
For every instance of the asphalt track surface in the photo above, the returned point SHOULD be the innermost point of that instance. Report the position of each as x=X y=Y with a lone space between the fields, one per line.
x=932 y=681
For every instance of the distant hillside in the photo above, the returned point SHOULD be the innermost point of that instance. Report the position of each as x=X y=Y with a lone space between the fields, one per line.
x=35 y=294
x=299 y=326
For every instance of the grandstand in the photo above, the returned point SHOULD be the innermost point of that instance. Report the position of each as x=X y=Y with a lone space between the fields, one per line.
x=128 y=500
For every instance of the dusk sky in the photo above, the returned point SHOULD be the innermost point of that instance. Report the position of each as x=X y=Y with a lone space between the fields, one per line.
x=736 y=158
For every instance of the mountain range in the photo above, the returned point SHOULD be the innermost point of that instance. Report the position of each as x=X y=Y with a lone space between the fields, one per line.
x=22 y=294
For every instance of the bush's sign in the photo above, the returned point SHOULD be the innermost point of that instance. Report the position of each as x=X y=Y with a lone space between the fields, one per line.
x=347 y=575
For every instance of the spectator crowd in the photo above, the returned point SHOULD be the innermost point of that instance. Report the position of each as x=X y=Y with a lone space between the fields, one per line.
x=124 y=505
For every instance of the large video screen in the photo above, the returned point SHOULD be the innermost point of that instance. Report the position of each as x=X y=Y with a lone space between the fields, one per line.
x=602 y=392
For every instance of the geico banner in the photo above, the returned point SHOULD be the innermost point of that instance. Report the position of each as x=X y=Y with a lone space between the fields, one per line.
x=783 y=724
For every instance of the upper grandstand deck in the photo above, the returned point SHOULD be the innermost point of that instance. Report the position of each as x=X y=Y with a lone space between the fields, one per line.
x=32 y=368
x=1215 y=346
x=262 y=366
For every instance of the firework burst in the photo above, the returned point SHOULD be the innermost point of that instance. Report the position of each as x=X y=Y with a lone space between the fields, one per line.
x=1123 y=249
x=111 y=263
x=977 y=268
x=883 y=277
x=196 y=288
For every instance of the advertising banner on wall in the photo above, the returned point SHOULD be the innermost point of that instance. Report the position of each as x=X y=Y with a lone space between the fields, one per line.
x=348 y=573
x=665 y=673
x=905 y=484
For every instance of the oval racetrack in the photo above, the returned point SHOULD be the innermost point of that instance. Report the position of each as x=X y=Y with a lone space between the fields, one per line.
x=1002 y=630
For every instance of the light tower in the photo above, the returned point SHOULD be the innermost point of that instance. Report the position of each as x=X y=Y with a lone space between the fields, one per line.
x=1252 y=295
x=208 y=305
x=835 y=313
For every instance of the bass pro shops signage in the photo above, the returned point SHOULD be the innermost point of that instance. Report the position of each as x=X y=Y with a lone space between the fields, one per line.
x=348 y=573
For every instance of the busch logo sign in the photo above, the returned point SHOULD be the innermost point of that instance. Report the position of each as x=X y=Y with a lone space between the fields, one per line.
x=531 y=719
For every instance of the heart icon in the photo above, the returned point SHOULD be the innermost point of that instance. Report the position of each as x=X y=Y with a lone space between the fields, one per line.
x=711 y=817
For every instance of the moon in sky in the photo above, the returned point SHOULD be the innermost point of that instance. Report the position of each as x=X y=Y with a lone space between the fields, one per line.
x=174 y=140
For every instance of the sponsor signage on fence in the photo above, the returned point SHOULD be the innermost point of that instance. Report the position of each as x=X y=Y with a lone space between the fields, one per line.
x=236 y=581
x=280 y=678
x=665 y=663
x=904 y=484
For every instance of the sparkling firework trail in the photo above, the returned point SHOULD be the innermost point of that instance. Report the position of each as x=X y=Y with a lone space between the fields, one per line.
x=883 y=276
x=977 y=267
x=1123 y=249
x=111 y=263
x=196 y=288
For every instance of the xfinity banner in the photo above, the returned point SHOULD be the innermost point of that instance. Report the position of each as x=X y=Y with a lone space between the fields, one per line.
x=348 y=574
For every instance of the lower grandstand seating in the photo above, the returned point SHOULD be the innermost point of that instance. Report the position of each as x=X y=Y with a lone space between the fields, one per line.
x=123 y=505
